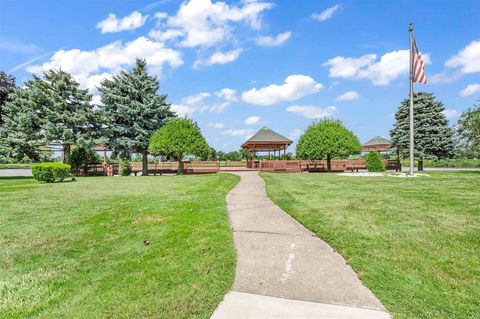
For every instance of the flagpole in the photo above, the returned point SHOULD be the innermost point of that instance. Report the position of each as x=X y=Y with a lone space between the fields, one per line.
x=412 y=154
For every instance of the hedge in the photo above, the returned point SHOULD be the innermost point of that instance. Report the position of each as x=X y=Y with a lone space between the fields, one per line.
x=50 y=172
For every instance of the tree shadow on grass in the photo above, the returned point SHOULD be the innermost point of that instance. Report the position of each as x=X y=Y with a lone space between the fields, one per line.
x=15 y=177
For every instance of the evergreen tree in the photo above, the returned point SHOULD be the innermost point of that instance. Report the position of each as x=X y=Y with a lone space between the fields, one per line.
x=21 y=134
x=327 y=139
x=7 y=86
x=66 y=114
x=432 y=135
x=133 y=110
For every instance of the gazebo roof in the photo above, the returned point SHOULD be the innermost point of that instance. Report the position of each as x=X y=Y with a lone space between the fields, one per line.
x=265 y=136
x=378 y=144
x=377 y=140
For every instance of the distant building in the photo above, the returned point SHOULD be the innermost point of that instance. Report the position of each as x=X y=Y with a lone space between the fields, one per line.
x=378 y=143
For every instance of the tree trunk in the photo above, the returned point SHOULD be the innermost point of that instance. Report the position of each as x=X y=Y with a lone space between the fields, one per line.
x=144 y=163
x=180 y=166
x=398 y=160
x=329 y=163
x=420 y=165
x=66 y=153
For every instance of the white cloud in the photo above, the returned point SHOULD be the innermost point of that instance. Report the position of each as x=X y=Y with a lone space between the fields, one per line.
x=90 y=67
x=96 y=100
x=451 y=113
x=345 y=67
x=182 y=110
x=218 y=107
x=219 y=58
x=391 y=66
x=239 y=132
x=216 y=125
x=196 y=99
x=348 y=96
x=468 y=59
x=227 y=94
x=268 y=41
x=163 y=36
x=295 y=134
x=251 y=120
x=196 y=103
x=295 y=87
x=92 y=82
x=470 y=89
x=205 y=23
x=326 y=14
x=112 y=24
x=312 y=112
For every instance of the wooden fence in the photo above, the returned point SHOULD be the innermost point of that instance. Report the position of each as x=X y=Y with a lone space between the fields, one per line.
x=320 y=165
x=280 y=166
x=203 y=167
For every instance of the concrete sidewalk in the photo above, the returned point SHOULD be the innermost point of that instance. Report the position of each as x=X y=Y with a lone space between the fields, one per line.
x=277 y=257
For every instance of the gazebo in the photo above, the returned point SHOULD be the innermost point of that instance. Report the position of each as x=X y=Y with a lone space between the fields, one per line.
x=378 y=144
x=265 y=140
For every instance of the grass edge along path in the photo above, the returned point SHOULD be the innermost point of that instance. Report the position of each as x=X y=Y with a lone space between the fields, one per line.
x=414 y=242
x=76 y=250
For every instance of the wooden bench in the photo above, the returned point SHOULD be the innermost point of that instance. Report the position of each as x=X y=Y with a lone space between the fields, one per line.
x=137 y=167
x=393 y=165
x=355 y=165
x=201 y=167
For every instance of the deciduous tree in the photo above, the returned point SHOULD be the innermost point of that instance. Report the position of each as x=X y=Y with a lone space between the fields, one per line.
x=179 y=137
x=327 y=139
x=468 y=129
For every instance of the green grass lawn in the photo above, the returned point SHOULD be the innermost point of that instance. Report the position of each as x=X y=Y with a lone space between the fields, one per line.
x=76 y=249
x=414 y=242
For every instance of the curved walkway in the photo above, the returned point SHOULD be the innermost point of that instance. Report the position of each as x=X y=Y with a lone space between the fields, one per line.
x=283 y=269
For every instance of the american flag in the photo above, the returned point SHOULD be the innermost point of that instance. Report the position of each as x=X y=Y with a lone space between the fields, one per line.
x=418 y=68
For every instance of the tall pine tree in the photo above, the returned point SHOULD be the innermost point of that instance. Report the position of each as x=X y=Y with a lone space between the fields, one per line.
x=21 y=135
x=67 y=116
x=432 y=134
x=133 y=110
x=7 y=86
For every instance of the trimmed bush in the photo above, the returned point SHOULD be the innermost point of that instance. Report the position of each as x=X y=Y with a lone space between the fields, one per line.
x=124 y=168
x=375 y=162
x=50 y=172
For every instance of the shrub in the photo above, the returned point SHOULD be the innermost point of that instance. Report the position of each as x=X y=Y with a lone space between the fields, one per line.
x=124 y=168
x=375 y=162
x=50 y=172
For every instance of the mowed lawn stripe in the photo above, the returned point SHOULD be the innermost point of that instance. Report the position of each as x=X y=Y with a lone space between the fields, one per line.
x=414 y=242
x=76 y=249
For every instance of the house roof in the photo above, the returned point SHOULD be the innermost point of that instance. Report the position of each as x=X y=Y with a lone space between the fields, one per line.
x=377 y=140
x=265 y=134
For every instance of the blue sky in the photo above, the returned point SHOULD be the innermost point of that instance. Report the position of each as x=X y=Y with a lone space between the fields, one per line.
x=235 y=66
